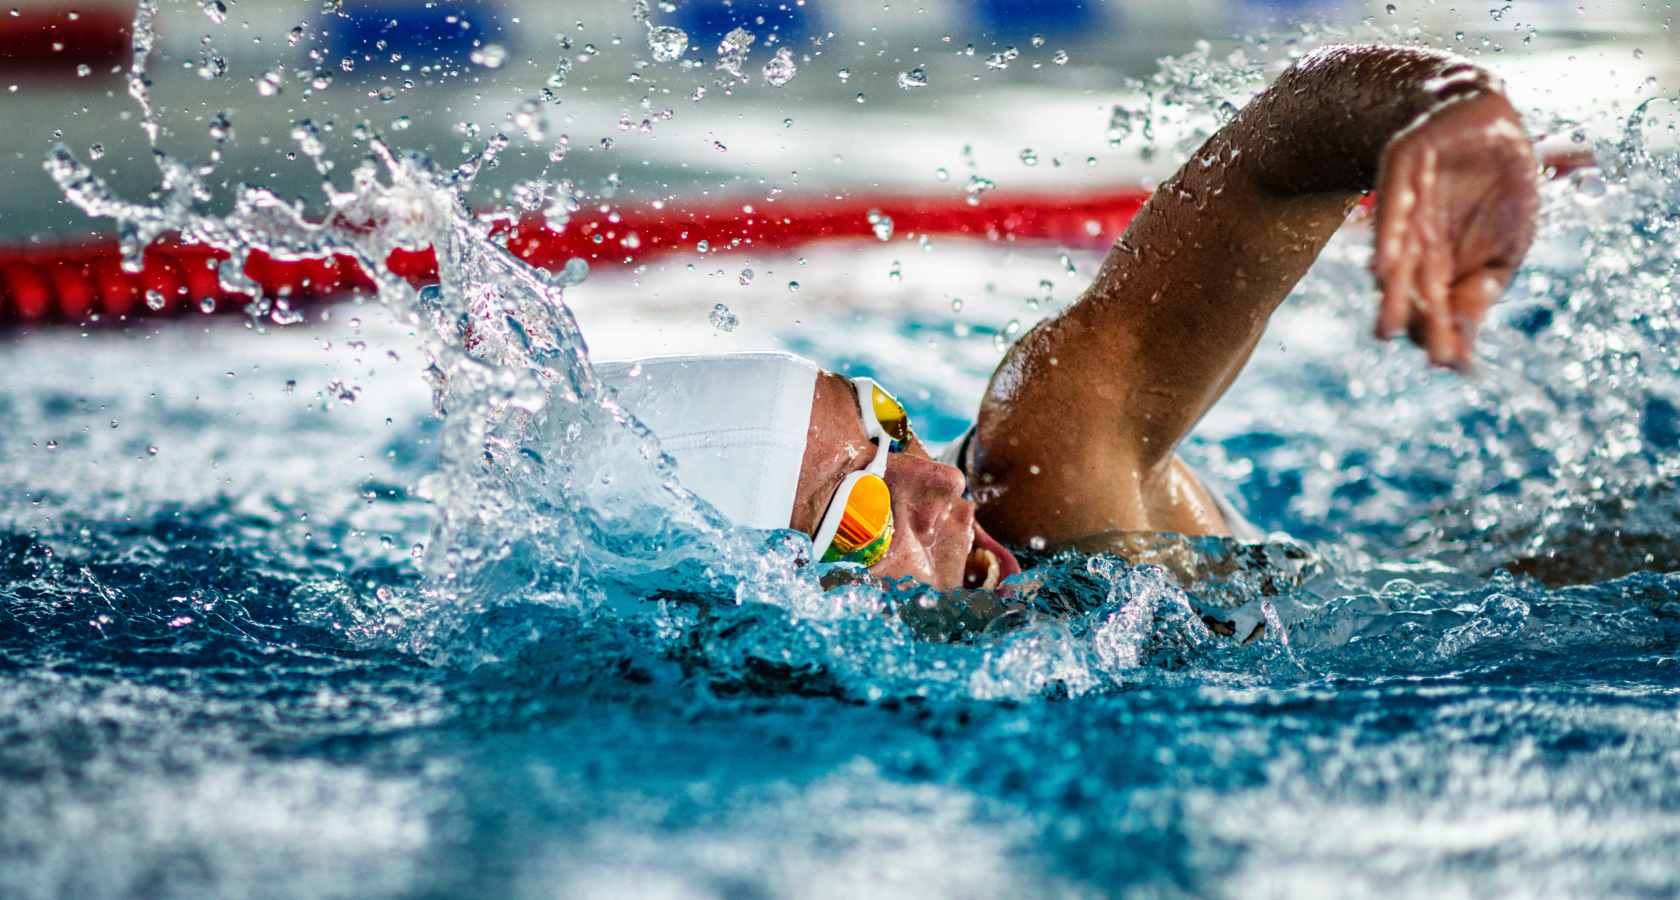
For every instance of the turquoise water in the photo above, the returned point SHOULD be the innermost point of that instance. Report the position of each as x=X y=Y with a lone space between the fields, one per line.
x=269 y=626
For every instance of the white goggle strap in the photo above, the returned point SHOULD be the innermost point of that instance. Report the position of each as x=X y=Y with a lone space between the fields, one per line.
x=872 y=426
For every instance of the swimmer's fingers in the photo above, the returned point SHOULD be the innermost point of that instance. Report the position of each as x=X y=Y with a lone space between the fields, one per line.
x=1471 y=298
x=1433 y=325
x=1396 y=242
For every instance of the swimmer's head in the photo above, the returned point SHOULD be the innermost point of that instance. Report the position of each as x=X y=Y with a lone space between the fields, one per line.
x=768 y=438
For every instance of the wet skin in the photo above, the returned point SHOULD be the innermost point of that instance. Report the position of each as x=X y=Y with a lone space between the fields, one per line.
x=1077 y=430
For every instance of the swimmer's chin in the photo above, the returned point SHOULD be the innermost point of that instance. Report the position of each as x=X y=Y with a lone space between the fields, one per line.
x=988 y=563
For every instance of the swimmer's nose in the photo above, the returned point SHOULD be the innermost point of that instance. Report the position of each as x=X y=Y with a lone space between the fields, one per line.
x=923 y=491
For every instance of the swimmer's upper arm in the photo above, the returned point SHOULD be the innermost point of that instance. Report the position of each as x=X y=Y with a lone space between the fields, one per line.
x=1078 y=426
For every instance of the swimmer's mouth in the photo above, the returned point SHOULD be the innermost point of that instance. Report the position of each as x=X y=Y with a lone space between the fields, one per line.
x=988 y=563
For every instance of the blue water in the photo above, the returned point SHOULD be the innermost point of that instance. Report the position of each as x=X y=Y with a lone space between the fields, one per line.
x=271 y=627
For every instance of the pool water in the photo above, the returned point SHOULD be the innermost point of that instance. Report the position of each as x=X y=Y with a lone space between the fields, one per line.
x=270 y=627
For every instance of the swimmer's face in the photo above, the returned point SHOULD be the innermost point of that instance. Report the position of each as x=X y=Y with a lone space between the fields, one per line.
x=935 y=539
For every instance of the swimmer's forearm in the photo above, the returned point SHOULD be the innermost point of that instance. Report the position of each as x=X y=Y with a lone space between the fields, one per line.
x=1323 y=125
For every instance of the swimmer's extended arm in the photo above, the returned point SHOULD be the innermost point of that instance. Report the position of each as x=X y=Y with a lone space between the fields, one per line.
x=1078 y=427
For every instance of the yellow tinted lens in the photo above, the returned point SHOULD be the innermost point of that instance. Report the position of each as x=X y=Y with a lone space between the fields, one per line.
x=892 y=416
x=865 y=525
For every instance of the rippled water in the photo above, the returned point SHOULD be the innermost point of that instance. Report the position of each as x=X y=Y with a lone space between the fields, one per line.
x=270 y=627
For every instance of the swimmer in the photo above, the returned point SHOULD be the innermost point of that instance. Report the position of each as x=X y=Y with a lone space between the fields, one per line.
x=1077 y=431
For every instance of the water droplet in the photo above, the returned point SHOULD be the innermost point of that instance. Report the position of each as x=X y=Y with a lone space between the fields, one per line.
x=860 y=98
x=667 y=43
x=1638 y=53
x=780 y=69
x=152 y=450
x=844 y=74
x=1390 y=9
x=308 y=138
x=216 y=10
x=746 y=277
x=942 y=175
x=914 y=78
x=703 y=246
x=221 y=129
x=321 y=79
x=722 y=319
x=997 y=61
x=956 y=304
x=1060 y=57
x=529 y=118
x=557 y=79
x=96 y=151
x=793 y=286
x=212 y=66
x=52 y=445
x=295 y=36
x=883 y=225
x=113 y=423
x=732 y=51
x=490 y=56
x=1458 y=36
x=207 y=305
x=896 y=273
x=270 y=83
x=1036 y=542
x=1029 y=157
x=1090 y=160
x=400 y=123
x=155 y=300
x=387 y=94
x=84 y=70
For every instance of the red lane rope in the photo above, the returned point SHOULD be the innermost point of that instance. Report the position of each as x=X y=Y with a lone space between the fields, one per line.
x=75 y=283
x=56 y=42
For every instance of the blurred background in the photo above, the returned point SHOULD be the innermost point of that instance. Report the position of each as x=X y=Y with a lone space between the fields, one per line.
x=887 y=96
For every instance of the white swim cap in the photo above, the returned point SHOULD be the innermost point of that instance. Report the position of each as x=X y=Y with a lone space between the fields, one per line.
x=735 y=423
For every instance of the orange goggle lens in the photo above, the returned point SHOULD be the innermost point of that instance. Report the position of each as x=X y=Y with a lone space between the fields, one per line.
x=895 y=421
x=866 y=524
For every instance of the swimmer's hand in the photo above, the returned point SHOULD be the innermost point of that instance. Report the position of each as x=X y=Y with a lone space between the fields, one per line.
x=1456 y=201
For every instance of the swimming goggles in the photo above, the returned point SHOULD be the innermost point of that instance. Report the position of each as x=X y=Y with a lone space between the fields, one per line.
x=858 y=526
